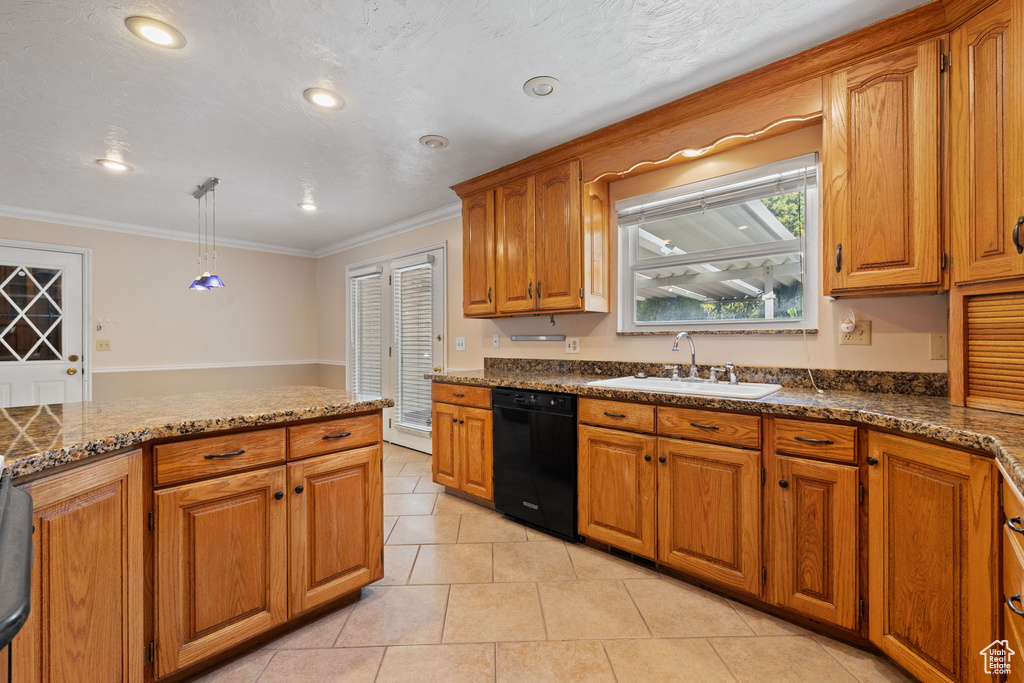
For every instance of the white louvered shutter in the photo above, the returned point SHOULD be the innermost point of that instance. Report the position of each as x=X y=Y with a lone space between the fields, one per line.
x=367 y=333
x=414 y=332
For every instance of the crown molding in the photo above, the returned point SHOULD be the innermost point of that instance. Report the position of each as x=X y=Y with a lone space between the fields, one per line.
x=414 y=223
x=133 y=229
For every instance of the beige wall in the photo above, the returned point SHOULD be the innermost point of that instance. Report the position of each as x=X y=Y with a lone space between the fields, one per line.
x=267 y=312
x=900 y=325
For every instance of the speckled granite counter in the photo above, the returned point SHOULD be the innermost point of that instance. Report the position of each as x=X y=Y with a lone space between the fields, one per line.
x=35 y=438
x=1000 y=434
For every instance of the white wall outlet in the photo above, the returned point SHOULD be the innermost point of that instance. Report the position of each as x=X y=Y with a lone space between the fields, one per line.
x=861 y=335
x=572 y=344
x=102 y=344
x=938 y=345
x=496 y=342
x=460 y=343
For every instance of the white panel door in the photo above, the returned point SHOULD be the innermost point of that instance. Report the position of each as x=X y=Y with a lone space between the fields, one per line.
x=41 y=327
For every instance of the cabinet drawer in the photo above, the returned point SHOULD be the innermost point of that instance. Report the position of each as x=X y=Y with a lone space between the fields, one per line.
x=637 y=417
x=729 y=429
x=816 y=440
x=333 y=435
x=201 y=458
x=474 y=397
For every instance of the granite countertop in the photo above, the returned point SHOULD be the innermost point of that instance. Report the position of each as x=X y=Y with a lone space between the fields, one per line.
x=35 y=438
x=999 y=434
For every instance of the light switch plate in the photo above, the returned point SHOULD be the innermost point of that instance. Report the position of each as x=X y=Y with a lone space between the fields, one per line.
x=572 y=344
x=460 y=343
x=102 y=344
x=938 y=345
x=497 y=341
x=861 y=335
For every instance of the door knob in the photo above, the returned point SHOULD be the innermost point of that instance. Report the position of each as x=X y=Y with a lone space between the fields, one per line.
x=72 y=371
x=437 y=368
x=72 y=358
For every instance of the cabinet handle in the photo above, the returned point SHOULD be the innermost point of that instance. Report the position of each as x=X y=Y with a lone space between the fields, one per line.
x=872 y=461
x=1009 y=603
x=538 y=289
x=839 y=257
x=698 y=425
x=529 y=289
x=459 y=395
x=488 y=295
x=1016 y=235
x=279 y=495
x=614 y=414
x=299 y=489
x=805 y=439
x=661 y=459
x=1015 y=527
x=336 y=436
x=212 y=456
x=783 y=483
x=647 y=458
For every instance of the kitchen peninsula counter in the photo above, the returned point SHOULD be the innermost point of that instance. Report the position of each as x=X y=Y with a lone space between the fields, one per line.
x=38 y=438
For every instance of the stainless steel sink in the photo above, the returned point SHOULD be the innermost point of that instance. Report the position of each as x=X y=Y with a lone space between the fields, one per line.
x=663 y=385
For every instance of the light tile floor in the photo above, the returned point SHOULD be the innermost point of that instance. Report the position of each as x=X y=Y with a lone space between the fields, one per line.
x=470 y=596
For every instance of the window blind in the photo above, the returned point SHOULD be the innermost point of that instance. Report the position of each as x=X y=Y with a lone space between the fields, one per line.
x=414 y=332
x=367 y=333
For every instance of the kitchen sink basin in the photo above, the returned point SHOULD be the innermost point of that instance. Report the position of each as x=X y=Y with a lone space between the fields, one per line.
x=663 y=385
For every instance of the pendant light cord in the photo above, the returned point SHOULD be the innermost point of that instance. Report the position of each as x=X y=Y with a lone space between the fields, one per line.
x=214 y=231
x=199 y=238
x=206 y=206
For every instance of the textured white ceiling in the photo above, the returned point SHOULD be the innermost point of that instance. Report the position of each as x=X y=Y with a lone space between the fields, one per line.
x=75 y=86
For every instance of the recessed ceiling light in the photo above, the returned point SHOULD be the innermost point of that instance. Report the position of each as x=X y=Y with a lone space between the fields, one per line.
x=323 y=98
x=308 y=206
x=114 y=165
x=743 y=227
x=434 y=141
x=541 y=87
x=156 y=32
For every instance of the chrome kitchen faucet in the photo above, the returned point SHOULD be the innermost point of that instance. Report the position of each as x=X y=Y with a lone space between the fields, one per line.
x=693 y=354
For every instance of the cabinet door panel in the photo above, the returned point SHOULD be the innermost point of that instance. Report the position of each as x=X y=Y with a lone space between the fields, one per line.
x=221 y=564
x=478 y=254
x=709 y=512
x=985 y=140
x=336 y=526
x=445 y=431
x=813 y=538
x=87 y=581
x=931 y=537
x=559 y=238
x=476 y=451
x=881 y=172
x=515 y=268
x=617 y=489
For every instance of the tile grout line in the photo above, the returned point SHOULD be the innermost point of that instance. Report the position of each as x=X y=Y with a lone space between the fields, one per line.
x=636 y=606
x=722 y=659
x=265 y=667
x=380 y=663
x=611 y=667
x=834 y=658
x=543 y=618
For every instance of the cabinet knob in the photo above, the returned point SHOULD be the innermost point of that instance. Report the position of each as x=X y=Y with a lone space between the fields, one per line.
x=462 y=422
x=661 y=459
x=299 y=489
x=455 y=419
x=647 y=458
x=279 y=495
x=872 y=461
x=783 y=483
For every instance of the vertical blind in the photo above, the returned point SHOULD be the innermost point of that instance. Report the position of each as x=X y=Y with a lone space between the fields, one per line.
x=414 y=332
x=367 y=334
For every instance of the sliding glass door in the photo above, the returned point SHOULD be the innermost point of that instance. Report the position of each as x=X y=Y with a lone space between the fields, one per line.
x=396 y=330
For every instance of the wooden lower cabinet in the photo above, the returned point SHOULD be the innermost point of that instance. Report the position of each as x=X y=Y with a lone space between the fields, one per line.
x=617 y=483
x=221 y=563
x=86 y=619
x=336 y=526
x=811 y=522
x=463 y=443
x=932 y=546
x=709 y=512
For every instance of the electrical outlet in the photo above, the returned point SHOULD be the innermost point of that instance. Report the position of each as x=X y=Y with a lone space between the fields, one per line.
x=496 y=343
x=938 y=344
x=572 y=344
x=102 y=344
x=861 y=335
x=460 y=343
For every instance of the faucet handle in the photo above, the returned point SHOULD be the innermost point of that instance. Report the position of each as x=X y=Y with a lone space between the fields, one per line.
x=713 y=379
x=732 y=373
x=671 y=367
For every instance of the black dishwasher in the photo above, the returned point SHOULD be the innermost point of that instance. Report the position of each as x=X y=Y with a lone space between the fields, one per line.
x=535 y=459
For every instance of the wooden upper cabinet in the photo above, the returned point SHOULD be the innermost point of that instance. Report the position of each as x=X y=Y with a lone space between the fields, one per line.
x=221 y=564
x=709 y=512
x=559 y=238
x=86 y=618
x=812 y=517
x=881 y=174
x=478 y=254
x=617 y=483
x=986 y=145
x=515 y=269
x=336 y=526
x=932 y=549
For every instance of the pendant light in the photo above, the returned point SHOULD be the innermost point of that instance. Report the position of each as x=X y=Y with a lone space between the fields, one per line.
x=207 y=278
